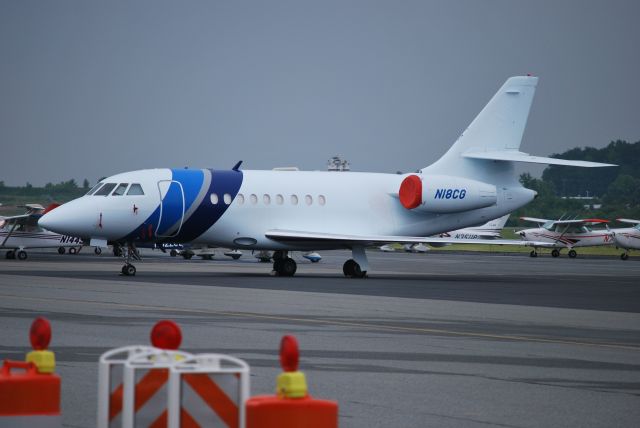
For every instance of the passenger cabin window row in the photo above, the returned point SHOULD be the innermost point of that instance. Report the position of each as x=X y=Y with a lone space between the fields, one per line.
x=267 y=199
x=121 y=189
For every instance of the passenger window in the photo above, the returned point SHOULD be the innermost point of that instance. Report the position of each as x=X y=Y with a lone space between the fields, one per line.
x=308 y=199
x=279 y=199
x=94 y=188
x=266 y=199
x=227 y=198
x=120 y=189
x=105 y=190
x=240 y=198
x=294 y=200
x=214 y=199
x=135 y=190
x=322 y=200
x=254 y=199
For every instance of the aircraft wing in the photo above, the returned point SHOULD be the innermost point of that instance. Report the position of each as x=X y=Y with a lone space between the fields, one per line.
x=534 y=220
x=628 y=220
x=517 y=156
x=582 y=221
x=27 y=219
x=292 y=236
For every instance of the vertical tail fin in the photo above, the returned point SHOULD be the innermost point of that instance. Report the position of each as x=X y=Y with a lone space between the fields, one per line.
x=499 y=126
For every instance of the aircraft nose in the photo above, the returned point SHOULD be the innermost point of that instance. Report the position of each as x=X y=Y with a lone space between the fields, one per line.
x=54 y=221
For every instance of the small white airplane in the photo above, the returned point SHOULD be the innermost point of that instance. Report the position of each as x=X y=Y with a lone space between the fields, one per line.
x=627 y=238
x=282 y=211
x=21 y=232
x=561 y=234
x=489 y=230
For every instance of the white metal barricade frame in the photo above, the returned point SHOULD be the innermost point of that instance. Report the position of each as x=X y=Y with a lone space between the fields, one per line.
x=111 y=358
x=207 y=364
x=155 y=359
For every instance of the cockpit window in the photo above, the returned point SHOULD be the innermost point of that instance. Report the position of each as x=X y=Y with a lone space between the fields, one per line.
x=93 y=189
x=105 y=190
x=637 y=226
x=120 y=189
x=135 y=189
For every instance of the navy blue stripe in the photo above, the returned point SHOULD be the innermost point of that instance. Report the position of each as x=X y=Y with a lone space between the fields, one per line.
x=207 y=214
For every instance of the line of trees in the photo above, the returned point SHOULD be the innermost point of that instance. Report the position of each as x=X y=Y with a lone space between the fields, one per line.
x=613 y=192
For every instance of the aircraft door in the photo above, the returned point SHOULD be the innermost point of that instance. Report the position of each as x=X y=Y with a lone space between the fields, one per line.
x=171 y=208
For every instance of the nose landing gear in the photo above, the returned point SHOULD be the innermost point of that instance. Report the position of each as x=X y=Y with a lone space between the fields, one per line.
x=132 y=254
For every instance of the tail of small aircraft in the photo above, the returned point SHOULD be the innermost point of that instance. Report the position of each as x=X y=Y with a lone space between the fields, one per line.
x=496 y=224
x=498 y=128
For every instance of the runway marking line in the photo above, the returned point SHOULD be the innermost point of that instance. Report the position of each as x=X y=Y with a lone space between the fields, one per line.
x=421 y=330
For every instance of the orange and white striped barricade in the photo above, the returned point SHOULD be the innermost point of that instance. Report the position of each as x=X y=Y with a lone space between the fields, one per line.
x=208 y=390
x=146 y=396
x=111 y=383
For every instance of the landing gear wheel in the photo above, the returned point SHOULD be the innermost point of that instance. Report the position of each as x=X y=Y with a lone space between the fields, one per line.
x=22 y=255
x=72 y=250
x=97 y=251
x=10 y=255
x=237 y=256
x=288 y=267
x=555 y=253
x=129 y=270
x=624 y=256
x=348 y=268
x=173 y=253
x=533 y=253
x=352 y=269
x=61 y=250
x=187 y=256
x=572 y=254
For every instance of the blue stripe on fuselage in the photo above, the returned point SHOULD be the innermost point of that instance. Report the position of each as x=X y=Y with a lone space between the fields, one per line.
x=205 y=216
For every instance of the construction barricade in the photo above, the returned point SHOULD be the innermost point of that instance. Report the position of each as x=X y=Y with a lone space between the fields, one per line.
x=30 y=390
x=132 y=380
x=111 y=383
x=208 y=390
x=292 y=406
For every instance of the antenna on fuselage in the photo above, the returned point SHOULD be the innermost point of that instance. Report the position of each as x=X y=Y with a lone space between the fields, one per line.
x=237 y=167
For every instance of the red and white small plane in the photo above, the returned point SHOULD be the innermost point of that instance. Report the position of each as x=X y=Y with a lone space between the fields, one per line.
x=20 y=232
x=627 y=238
x=561 y=234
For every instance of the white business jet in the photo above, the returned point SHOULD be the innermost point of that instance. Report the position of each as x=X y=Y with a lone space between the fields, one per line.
x=560 y=234
x=473 y=182
x=627 y=238
x=21 y=232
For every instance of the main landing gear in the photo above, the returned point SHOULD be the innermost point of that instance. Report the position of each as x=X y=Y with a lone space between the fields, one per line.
x=16 y=254
x=283 y=265
x=624 y=256
x=358 y=266
x=132 y=254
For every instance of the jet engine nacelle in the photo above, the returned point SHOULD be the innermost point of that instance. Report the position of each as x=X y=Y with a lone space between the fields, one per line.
x=445 y=194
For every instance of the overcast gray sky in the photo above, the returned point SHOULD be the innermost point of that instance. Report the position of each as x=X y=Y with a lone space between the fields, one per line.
x=92 y=88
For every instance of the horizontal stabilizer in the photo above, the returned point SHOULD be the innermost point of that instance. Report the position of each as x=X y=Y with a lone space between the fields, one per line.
x=517 y=156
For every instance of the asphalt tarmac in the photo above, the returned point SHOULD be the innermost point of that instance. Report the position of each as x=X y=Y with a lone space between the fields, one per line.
x=436 y=339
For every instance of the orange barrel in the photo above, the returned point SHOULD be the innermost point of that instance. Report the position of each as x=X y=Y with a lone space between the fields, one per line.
x=28 y=398
x=292 y=406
